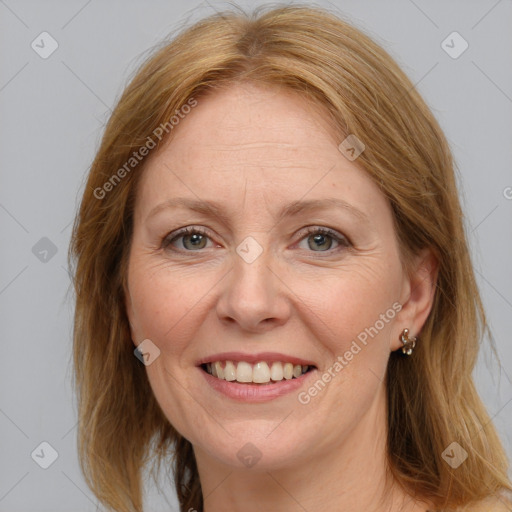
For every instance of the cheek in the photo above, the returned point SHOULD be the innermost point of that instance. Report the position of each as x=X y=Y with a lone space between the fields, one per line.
x=357 y=305
x=164 y=303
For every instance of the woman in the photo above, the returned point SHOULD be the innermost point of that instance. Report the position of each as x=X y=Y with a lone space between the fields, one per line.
x=274 y=285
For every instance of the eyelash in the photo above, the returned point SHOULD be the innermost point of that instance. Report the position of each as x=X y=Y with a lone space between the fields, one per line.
x=343 y=241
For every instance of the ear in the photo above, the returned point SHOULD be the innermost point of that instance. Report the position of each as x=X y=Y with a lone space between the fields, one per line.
x=417 y=297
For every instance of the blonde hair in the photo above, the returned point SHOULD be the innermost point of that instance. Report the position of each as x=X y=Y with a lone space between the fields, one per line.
x=432 y=399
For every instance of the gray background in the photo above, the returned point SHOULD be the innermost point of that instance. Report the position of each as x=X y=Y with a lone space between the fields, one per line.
x=52 y=114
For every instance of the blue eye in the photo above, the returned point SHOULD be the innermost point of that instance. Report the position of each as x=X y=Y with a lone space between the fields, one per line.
x=194 y=239
x=322 y=239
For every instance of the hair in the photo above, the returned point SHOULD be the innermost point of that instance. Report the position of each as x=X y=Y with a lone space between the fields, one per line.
x=432 y=399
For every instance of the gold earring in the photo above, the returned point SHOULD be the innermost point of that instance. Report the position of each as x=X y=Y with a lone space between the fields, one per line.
x=408 y=341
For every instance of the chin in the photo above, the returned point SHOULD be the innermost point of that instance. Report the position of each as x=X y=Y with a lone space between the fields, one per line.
x=258 y=445
x=255 y=455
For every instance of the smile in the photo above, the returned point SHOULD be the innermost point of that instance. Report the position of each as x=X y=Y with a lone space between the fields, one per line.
x=255 y=377
x=261 y=372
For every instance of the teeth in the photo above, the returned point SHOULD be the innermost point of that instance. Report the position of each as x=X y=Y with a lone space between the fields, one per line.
x=229 y=371
x=259 y=373
x=276 y=372
x=217 y=368
x=244 y=372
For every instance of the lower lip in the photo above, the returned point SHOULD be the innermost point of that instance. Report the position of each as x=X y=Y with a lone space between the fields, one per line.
x=255 y=392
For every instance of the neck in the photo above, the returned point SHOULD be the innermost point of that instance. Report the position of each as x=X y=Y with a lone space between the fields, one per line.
x=350 y=476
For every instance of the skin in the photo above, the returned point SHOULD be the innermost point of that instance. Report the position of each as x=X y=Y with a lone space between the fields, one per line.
x=254 y=150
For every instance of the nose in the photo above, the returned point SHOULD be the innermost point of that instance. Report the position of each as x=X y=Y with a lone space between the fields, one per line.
x=254 y=295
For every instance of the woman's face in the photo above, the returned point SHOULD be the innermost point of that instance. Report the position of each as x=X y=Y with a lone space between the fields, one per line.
x=258 y=283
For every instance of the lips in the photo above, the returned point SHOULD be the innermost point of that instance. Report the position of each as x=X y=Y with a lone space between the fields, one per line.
x=256 y=393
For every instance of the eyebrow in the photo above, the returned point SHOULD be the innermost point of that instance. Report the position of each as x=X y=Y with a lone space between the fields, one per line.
x=214 y=209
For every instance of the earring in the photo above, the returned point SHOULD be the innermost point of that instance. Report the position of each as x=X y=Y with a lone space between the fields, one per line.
x=408 y=341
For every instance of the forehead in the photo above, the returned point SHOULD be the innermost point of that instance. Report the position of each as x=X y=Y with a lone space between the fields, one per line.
x=248 y=110
x=253 y=141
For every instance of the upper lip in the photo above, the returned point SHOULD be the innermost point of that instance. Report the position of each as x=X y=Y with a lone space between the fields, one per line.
x=254 y=358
